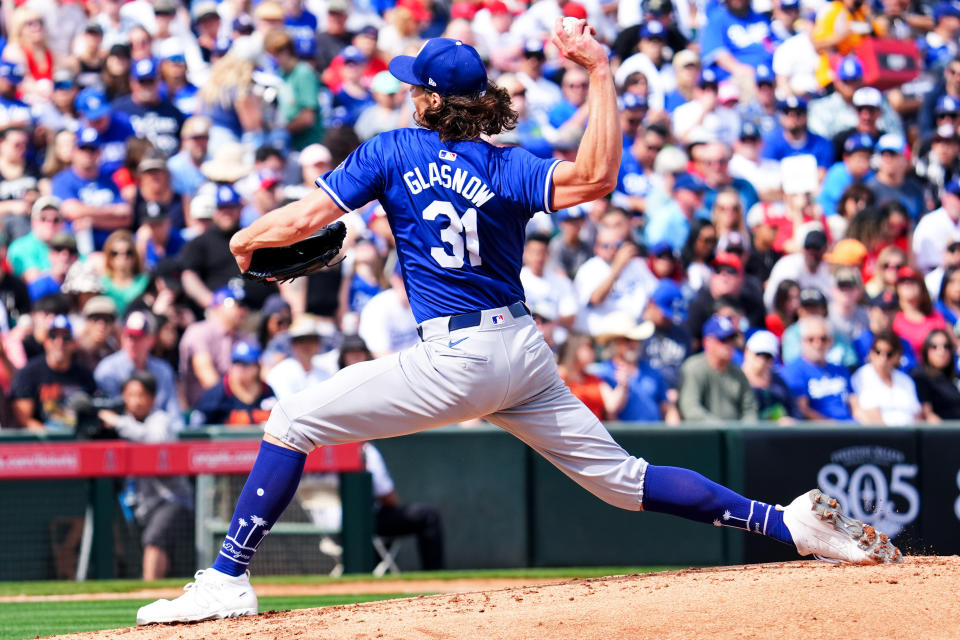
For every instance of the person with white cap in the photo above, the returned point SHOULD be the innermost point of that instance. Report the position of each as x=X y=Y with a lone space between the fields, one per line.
x=774 y=399
x=304 y=366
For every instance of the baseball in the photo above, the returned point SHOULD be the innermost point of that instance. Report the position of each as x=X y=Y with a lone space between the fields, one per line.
x=570 y=24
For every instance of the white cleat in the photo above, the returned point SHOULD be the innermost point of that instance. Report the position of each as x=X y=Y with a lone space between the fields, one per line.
x=818 y=526
x=213 y=595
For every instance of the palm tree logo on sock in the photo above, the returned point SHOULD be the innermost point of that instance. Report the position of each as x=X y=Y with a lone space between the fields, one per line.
x=257 y=522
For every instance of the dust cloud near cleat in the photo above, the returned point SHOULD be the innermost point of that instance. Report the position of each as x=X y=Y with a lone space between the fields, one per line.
x=819 y=526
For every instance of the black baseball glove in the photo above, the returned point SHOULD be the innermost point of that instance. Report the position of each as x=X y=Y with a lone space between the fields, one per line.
x=280 y=264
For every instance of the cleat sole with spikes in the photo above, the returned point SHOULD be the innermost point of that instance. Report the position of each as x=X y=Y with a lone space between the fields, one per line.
x=876 y=546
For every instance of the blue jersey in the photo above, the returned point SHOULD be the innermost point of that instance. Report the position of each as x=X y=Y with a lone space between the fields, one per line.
x=457 y=211
x=827 y=387
x=99 y=192
x=776 y=147
x=113 y=143
x=303 y=30
x=747 y=38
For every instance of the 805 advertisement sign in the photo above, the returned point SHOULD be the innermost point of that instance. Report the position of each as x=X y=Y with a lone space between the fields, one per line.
x=875 y=474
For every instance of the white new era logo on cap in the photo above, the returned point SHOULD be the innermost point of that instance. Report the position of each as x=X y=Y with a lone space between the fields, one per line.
x=431 y=82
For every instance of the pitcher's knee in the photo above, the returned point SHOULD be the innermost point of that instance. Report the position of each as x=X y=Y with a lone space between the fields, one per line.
x=287 y=431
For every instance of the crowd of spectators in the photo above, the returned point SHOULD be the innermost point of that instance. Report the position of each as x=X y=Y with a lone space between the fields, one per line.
x=783 y=242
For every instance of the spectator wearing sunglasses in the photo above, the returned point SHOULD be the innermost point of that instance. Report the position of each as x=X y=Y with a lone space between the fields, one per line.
x=822 y=390
x=886 y=395
x=29 y=255
x=936 y=378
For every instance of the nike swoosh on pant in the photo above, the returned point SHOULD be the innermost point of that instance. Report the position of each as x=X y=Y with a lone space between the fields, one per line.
x=454 y=343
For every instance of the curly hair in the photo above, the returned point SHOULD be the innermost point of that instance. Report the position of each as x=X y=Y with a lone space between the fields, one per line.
x=469 y=117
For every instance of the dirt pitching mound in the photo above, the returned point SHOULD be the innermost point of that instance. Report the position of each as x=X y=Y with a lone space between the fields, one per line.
x=801 y=600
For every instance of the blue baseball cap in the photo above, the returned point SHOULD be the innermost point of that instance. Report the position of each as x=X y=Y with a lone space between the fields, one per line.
x=719 y=327
x=351 y=54
x=143 y=69
x=660 y=248
x=631 y=100
x=791 y=102
x=88 y=138
x=858 y=142
x=61 y=323
x=669 y=297
x=223 y=294
x=445 y=66
x=850 y=69
x=571 y=213
x=92 y=103
x=10 y=71
x=765 y=75
x=749 y=130
x=227 y=196
x=945 y=9
x=789 y=4
x=947 y=104
x=653 y=29
x=708 y=76
x=689 y=182
x=245 y=353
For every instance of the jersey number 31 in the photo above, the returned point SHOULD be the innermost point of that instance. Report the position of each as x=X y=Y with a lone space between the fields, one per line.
x=465 y=224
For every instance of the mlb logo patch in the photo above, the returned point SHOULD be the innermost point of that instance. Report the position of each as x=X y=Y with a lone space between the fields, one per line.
x=447 y=155
x=497 y=319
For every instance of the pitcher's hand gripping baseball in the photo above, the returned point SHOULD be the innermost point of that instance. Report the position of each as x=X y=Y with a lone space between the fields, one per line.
x=279 y=264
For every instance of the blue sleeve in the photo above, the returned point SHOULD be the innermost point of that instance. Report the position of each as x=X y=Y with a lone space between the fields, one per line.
x=711 y=36
x=61 y=188
x=360 y=178
x=846 y=375
x=771 y=146
x=824 y=153
x=795 y=379
x=527 y=180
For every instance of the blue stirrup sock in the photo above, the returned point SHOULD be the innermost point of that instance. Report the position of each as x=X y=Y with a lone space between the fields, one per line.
x=686 y=493
x=271 y=485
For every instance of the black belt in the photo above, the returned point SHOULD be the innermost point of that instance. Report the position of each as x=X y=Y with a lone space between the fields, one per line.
x=474 y=318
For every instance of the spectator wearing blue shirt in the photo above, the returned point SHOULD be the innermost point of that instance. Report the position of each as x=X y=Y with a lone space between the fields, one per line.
x=762 y=109
x=90 y=198
x=686 y=72
x=573 y=86
x=302 y=27
x=152 y=117
x=855 y=167
x=13 y=111
x=636 y=168
x=112 y=128
x=881 y=311
x=672 y=223
x=184 y=167
x=891 y=181
x=822 y=390
x=939 y=45
x=353 y=97
x=793 y=138
x=735 y=39
x=670 y=344
x=639 y=389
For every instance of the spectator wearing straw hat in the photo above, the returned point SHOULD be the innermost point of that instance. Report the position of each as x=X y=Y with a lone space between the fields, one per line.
x=639 y=392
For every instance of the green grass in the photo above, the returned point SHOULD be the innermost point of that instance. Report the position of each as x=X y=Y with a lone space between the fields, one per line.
x=21 y=620
x=49 y=588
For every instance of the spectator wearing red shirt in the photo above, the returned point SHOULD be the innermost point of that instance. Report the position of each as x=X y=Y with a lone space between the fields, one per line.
x=917 y=317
